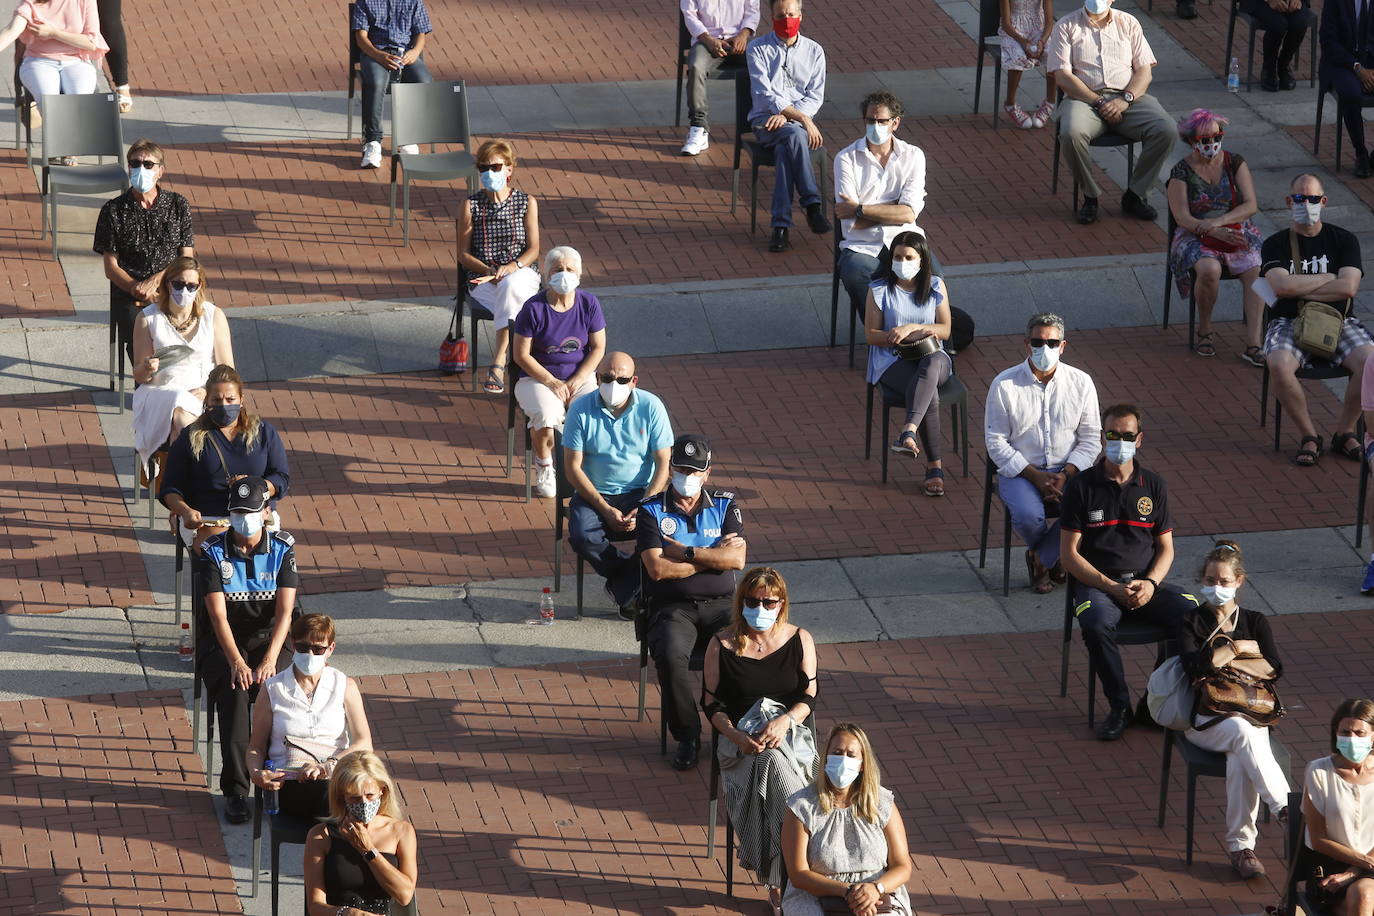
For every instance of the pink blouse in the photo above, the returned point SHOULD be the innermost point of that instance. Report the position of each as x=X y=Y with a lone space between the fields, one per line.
x=78 y=16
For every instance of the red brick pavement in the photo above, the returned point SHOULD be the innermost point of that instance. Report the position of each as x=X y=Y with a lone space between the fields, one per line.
x=255 y=46
x=68 y=540
x=31 y=281
x=534 y=790
x=311 y=226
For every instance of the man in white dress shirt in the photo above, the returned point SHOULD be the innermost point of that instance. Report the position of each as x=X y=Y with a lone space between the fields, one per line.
x=1042 y=427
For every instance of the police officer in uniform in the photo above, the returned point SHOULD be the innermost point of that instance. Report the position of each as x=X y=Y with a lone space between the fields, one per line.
x=690 y=542
x=247 y=576
x=1117 y=544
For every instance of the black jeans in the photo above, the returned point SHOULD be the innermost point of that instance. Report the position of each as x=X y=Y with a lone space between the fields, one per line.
x=1098 y=616
x=232 y=706
x=677 y=631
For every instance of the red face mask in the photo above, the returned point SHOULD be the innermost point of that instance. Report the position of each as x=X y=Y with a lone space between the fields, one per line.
x=787 y=28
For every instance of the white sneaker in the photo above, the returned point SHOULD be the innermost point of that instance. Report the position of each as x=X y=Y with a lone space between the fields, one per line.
x=698 y=138
x=372 y=155
x=411 y=148
x=545 y=483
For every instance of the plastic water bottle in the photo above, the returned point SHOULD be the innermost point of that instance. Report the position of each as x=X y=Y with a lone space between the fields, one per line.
x=269 y=795
x=1233 y=76
x=546 y=607
x=184 y=651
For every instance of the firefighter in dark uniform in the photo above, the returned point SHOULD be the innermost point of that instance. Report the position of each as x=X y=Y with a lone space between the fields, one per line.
x=1117 y=545
x=692 y=546
x=247 y=576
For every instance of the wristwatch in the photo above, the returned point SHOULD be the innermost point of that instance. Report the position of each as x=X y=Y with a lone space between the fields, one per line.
x=689 y=554
x=879 y=886
x=859 y=212
x=1128 y=97
x=369 y=855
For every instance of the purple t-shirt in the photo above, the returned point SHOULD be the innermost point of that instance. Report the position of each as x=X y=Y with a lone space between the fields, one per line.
x=558 y=340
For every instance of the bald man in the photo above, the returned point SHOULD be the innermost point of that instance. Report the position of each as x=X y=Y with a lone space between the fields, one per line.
x=617 y=442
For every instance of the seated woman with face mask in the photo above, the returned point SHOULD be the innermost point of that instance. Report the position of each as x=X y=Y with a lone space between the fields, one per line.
x=313 y=716
x=1338 y=808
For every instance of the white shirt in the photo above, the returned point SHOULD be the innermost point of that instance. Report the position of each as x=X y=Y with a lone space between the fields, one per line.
x=320 y=717
x=1042 y=424
x=1102 y=56
x=1348 y=810
x=719 y=18
x=860 y=177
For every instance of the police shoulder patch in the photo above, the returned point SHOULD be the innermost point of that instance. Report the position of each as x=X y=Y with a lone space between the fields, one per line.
x=284 y=536
x=667 y=525
x=226 y=570
x=725 y=494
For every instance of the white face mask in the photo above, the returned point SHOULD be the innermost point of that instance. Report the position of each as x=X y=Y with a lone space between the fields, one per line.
x=1045 y=358
x=878 y=134
x=689 y=485
x=842 y=770
x=1097 y=7
x=1218 y=595
x=1305 y=214
x=247 y=524
x=613 y=394
x=142 y=180
x=183 y=297
x=1208 y=149
x=309 y=664
x=906 y=270
x=563 y=282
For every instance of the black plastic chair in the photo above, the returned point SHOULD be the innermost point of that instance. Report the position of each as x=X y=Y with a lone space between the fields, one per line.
x=1366 y=101
x=989 y=475
x=952 y=394
x=1202 y=762
x=835 y=297
x=1318 y=371
x=1105 y=140
x=1253 y=23
x=511 y=409
x=760 y=156
x=1361 y=496
x=643 y=616
x=1300 y=863
x=476 y=312
x=987 y=43
x=560 y=515
x=1128 y=633
x=285 y=831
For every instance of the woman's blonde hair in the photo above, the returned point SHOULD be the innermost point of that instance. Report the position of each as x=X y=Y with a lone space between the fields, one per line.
x=767 y=578
x=249 y=424
x=503 y=148
x=864 y=791
x=175 y=269
x=351 y=772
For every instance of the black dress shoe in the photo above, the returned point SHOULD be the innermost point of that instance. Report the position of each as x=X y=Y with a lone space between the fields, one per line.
x=779 y=241
x=1269 y=79
x=815 y=218
x=687 y=753
x=1088 y=212
x=1134 y=205
x=1361 y=165
x=1286 y=79
x=1186 y=9
x=236 y=809
x=1115 y=724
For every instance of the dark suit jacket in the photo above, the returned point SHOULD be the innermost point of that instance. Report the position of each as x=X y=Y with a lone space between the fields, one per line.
x=1341 y=46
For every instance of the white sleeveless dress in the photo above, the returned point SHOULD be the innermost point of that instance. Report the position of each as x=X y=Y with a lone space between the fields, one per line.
x=171 y=387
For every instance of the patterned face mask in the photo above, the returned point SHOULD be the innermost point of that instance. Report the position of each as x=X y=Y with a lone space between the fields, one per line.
x=364 y=811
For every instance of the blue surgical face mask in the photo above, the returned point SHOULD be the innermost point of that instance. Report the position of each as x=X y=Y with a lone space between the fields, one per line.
x=493 y=180
x=759 y=617
x=223 y=415
x=1353 y=748
x=247 y=524
x=142 y=180
x=563 y=282
x=842 y=770
x=878 y=134
x=1119 y=452
x=308 y=663
x=1097 y=7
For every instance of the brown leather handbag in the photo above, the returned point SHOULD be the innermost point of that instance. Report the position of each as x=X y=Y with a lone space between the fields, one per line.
x=1241 y=684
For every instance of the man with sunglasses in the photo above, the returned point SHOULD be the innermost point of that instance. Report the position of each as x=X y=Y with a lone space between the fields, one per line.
x=1041 y=428
x=692 y=546
x=1117 y=544
x=247 y=576
x=617 y=441
x=1328 y=268
x=138 y=234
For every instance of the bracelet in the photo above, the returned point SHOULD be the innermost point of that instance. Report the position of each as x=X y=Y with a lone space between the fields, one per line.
x=1149 y=580
x=341 y=911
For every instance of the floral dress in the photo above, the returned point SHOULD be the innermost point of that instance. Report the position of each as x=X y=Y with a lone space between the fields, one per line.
x=1204 y=201
x=1028 y=19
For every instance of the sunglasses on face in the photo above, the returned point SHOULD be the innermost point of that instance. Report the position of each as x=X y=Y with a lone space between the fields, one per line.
x=182 y=284
x=622 y=379
x=1308 y=198
x=1039 y=342
x=1216 y=136
x=312 y=648
x=491 y=167
x=143 y=163
x=1111 y=436
x=771 y=604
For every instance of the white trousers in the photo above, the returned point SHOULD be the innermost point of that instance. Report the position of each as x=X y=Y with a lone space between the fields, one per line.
x=57 y=77
x=1252 y=775
x=542 y=406
x=503 y=298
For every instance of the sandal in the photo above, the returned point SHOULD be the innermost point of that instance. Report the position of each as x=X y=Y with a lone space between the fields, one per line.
x=935 y=481
x=1254 y=356
x=1306 y=457
x=1348 y=445
x=901 y=448
x=495 y=384
x=1039 y=576
x=125 y=99
x=1057 y=574
x=1204 y=345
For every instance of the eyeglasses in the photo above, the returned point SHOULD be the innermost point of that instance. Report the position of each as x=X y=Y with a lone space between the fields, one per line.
x=143 y=163
x=182 y=284
x=610 y=377
x=1111 y=436
x=771 y=604
x=1216 y=136
x=879 y=120
x=1308 y=198
x=312 y=648
x=491 y=167
x=1039 y=342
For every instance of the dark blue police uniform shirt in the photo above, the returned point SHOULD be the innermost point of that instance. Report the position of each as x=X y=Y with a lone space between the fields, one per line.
x=248 y=581
x=715 y=515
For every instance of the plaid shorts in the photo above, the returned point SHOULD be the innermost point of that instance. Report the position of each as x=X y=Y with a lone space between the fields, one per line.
x=1279 y=336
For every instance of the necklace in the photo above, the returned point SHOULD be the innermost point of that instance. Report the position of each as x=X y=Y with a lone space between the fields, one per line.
x=181 y=326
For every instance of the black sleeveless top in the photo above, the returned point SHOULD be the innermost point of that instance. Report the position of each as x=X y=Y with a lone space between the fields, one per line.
x=348 y=879
x=778 y=676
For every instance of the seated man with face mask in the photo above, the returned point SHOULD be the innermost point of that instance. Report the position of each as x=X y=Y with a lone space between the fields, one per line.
x=248 y=577
x=692 y=548
x=616 y=445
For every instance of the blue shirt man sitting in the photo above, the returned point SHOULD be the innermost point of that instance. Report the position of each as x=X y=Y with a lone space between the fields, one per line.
x=391 y=35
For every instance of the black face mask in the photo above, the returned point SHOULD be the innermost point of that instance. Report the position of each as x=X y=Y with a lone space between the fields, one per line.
x=223 y=415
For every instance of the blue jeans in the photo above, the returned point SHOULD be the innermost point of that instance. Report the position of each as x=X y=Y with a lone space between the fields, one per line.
x=587 y=535
x=1098 y=615
x=1027 y=510
x=792 y=162
x=376 y=77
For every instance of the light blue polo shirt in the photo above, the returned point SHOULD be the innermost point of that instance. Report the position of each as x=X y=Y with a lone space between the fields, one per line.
x=618 y=452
